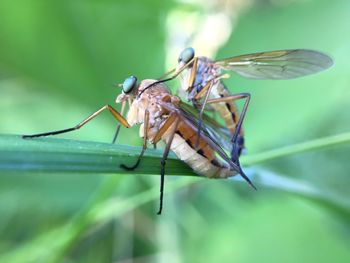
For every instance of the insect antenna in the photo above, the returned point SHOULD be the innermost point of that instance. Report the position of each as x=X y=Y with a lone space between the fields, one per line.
x=153 y=84
x=168 y=79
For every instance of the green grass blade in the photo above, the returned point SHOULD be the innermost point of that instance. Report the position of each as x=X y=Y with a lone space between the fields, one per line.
x=62 y=155
x=313 y=145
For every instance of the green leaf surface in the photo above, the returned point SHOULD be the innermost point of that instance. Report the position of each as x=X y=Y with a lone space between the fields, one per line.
x=62 y=155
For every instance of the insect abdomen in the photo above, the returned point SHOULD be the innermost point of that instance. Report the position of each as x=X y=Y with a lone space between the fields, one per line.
x=201 y=159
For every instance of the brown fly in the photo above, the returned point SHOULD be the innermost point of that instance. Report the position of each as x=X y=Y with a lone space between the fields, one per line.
x=161 y=117
x=202 y=85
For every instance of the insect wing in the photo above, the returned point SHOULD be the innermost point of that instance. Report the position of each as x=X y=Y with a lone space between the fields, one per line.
x=210 y=127
x=280 y=64
x=211 y=135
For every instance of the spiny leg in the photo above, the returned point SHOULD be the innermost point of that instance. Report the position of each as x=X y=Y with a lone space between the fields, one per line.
x=118 y=125
x=165 y=156
x=238 y=127
x=144 y=146
x=116 y=115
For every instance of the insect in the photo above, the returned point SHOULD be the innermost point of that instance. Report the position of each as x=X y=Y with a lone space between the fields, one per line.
x=161 y=117
x=201 y=81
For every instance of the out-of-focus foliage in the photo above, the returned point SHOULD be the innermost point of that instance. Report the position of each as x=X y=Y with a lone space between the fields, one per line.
x=59 y=61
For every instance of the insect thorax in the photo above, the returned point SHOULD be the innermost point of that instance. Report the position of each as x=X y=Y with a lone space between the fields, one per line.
x=206 y=70
x=152 y=99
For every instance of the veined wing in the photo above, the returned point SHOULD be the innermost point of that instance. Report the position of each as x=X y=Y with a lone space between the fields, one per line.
x=212 y=136
x=210 y=127
x=280 y=64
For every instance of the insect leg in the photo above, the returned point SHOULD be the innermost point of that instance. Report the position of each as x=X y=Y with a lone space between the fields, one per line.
x=118 y=125
x=234 y=138
x=193 y=74
x=205 y=91
x=207 y=88
x=172 y=120
x=172 y=117
x=116 y=115
x=144 y=146
x=208 y=85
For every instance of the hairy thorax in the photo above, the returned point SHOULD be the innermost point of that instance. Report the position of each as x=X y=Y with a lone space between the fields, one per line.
x=206 y=70
x=157 y=100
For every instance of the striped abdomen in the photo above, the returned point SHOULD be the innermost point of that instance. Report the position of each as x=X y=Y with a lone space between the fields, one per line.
x=201 y=159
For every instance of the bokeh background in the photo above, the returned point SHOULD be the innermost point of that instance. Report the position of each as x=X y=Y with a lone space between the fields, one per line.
x=59 y=61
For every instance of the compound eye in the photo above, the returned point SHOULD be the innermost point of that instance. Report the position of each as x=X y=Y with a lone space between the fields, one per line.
x=129 y=84
x=186 y=55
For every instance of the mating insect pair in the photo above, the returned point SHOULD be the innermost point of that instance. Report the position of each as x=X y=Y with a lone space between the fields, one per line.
x=188 y=132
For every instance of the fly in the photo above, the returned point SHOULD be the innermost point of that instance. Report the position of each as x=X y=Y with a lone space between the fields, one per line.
x=202 y=85
x=161 y=117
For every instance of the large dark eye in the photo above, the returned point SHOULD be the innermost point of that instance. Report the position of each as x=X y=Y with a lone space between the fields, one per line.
x=186 y=55
x=129 y=84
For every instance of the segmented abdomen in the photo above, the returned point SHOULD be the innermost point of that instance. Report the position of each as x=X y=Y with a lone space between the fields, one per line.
x=201 y=159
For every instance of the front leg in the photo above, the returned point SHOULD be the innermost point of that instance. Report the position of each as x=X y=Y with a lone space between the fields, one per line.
x=144 y=146
x=115 y=114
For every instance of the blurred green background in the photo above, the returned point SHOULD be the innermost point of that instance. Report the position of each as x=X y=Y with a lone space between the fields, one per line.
x=59 y=61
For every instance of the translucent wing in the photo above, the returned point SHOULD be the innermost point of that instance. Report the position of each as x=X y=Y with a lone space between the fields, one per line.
x=213 y=136
x=280 y=64
x=210 y=127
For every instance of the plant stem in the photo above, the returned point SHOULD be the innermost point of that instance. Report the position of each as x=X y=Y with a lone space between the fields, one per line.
x=317 y=144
